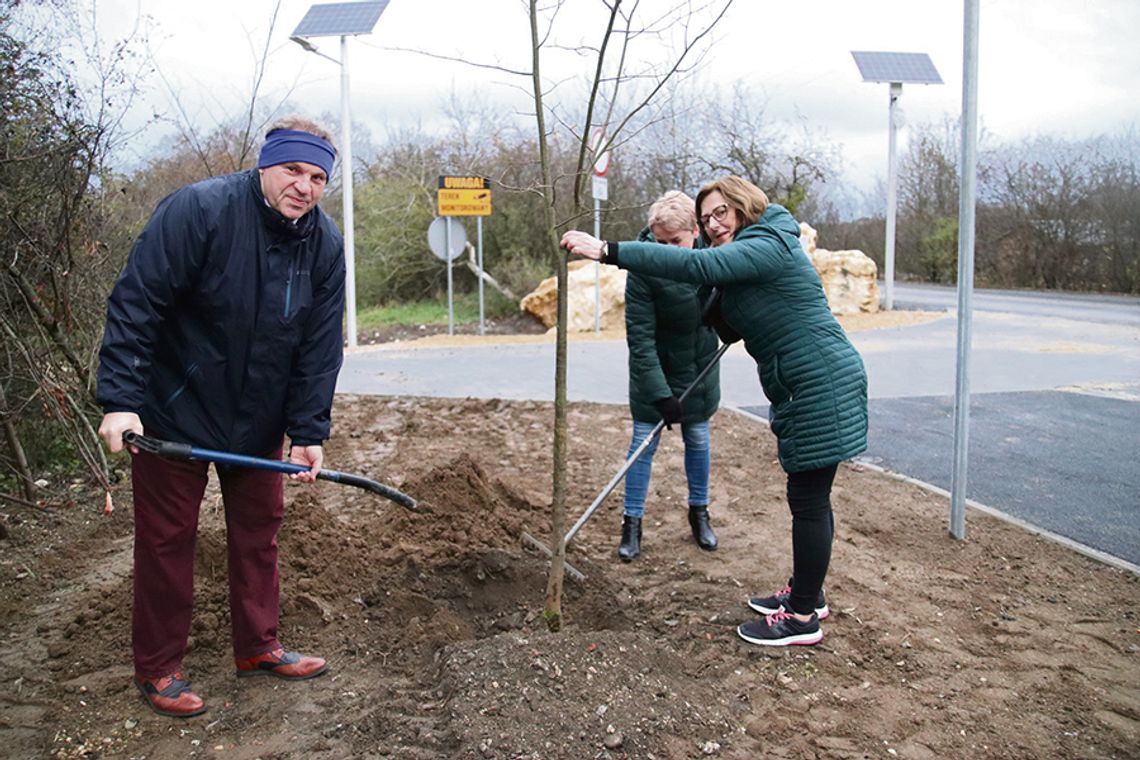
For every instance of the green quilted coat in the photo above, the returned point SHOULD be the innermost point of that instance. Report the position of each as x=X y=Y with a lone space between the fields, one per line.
x=668 y=346
x=813 y=377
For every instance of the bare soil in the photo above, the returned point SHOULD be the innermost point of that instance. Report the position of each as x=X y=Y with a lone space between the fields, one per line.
x=1001 y=646
x=515 y=324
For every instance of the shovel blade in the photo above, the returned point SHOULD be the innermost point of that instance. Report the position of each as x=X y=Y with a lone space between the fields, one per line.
x=532 y=541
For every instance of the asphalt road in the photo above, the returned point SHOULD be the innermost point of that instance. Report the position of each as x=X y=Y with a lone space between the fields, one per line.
x=1054 y=426
x=1052 y=458
x=1087 y=307
x=1054 y=405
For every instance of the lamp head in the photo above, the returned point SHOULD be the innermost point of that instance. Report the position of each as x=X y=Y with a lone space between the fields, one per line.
x=304 y=43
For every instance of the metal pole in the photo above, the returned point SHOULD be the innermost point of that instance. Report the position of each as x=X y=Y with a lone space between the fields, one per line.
x=892 y=195
x=629 y=462
x=479 y=233
x=597 y=269
x=346 y=196
x=966 y=208
x=447 y=248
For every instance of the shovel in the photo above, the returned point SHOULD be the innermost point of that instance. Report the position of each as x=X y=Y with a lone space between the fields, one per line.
x=641 y=449
x=173 y=450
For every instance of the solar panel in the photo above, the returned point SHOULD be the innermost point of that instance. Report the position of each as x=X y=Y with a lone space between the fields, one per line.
x=338 y=19
x=915 y=68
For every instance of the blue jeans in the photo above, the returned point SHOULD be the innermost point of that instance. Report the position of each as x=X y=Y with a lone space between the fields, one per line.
x=696 y=438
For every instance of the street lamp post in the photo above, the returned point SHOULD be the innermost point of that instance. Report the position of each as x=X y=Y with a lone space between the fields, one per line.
x=342 y=20
x=346 y=187
x=346 y=197
x=895 y=68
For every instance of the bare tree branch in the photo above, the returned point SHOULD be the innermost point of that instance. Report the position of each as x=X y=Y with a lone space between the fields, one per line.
x=458 y=59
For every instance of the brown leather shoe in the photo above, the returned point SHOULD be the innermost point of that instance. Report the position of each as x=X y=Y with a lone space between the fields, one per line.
x=282 y=664
x=170 y=695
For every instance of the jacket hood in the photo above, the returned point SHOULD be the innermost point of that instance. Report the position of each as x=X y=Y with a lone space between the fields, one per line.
x=780 y=219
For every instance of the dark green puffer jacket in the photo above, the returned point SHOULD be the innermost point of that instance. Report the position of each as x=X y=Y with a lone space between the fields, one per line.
x=668 y=346
x=810 y=372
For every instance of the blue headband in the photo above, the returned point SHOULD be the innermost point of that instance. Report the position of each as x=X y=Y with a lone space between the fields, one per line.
x=285 y=145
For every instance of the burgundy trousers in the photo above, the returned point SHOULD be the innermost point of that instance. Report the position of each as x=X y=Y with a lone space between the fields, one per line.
x=167 y=496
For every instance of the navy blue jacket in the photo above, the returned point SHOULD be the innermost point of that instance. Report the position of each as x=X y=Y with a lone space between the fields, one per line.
x=224 y=329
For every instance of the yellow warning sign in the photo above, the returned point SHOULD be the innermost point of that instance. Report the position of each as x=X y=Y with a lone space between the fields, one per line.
x=464 y=196
x=465 y=202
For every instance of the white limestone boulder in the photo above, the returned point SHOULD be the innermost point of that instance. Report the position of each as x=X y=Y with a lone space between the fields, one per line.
x=850 y=278
x=542 y=302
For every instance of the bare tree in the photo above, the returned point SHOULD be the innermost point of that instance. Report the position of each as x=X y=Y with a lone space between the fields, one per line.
x=1116 y=203
x=227 y=145
x=928 y=203
x=742 y=140
x=615 y=66
x=639 y=50
x=1053 y=213
x=56 y=263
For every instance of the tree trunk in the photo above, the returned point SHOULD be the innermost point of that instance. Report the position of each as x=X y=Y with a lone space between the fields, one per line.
x=27 y=484
x=50 y=325
x=552 y=612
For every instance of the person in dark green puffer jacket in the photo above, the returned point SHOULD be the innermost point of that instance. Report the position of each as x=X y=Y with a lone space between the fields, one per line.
x=668 y=348
x=768 y=293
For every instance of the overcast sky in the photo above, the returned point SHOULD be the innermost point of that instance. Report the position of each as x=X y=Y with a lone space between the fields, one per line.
x=1059 y=67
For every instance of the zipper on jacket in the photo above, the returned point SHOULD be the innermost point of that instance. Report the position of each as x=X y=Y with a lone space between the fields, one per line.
x=293 y=267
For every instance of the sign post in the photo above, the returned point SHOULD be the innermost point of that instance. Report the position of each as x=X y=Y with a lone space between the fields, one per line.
x=479 y=265
x=600 y=191
x=447 y=238
x=465 y=196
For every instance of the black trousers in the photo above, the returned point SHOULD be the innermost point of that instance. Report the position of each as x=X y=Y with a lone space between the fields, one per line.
x=813 y=527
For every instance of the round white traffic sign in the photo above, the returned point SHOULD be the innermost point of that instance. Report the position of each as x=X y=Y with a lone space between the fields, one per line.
x=601 y=161
x=437 y=237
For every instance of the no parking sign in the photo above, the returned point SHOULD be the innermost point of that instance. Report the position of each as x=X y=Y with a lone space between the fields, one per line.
x=447 y=237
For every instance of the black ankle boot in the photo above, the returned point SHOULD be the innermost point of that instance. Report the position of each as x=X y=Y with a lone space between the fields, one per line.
x=630 y=538
x=702 y=531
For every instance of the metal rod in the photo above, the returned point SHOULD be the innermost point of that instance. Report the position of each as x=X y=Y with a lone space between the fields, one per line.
x=450 y=300
x=597 y=269
x=479 y=232
x=966 y=208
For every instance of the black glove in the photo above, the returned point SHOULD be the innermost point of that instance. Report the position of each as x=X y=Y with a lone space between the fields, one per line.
x=670 y=409
x=710 y=316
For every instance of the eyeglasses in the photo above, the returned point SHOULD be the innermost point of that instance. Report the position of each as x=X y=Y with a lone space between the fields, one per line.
x=718 y=213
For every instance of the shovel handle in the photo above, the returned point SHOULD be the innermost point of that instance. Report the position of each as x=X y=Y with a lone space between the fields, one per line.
x=638 y=452
x=173 y=450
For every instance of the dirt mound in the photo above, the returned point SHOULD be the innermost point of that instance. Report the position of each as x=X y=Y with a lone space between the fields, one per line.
x=452 y=570
x=461 y=510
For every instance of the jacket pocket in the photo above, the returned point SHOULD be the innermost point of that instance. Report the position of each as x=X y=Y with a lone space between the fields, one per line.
x=191 y=371
x=773 y=383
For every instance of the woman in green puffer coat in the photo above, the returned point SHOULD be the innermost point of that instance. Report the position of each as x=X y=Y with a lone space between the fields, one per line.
x=768 y=293
x=668 y=348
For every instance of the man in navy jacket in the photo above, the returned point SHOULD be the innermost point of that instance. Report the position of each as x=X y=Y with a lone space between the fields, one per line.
x=224 y=332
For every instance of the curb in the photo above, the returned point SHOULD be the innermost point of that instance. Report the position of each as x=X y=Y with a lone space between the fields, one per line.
x=1068 y=543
